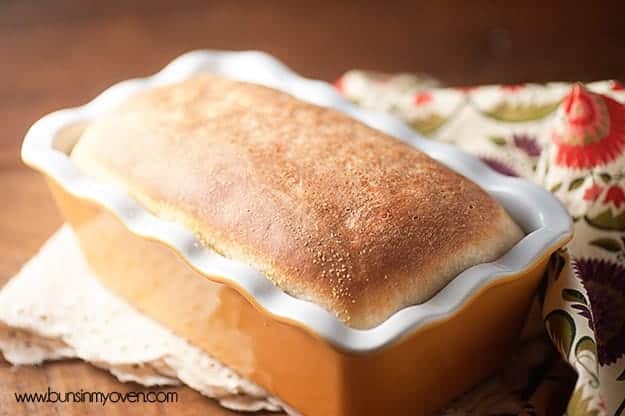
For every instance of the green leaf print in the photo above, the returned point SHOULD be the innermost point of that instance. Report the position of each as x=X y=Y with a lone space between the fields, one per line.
x=572 y=295
x=518 y=113
x=561 y=328
x=607 y=221
x=586 y=344
x=428 y=125
x=555 y=187
x=608 y=244
x=606 y=177
x=580 y=406
x=576 y=183
x=586 y=358
x=498 y=140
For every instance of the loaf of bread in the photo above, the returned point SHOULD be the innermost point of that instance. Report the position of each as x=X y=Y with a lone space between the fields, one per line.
x=330 y=210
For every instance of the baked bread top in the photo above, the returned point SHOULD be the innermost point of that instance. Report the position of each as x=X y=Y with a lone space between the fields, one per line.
x=329 y=209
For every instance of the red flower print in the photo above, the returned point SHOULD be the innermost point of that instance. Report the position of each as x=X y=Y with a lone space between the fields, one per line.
x=512 y=87
x=422 y=98
x=617 y=86
x=615 y=195
x=592 y=193
x=590 y=131
x=338 y=85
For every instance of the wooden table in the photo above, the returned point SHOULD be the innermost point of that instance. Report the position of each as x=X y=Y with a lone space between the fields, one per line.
x=57 y=54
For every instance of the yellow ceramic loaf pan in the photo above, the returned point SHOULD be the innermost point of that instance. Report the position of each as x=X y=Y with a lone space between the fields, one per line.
x=413 y=363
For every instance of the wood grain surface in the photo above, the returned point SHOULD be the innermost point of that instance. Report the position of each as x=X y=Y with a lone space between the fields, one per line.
x=55 y=54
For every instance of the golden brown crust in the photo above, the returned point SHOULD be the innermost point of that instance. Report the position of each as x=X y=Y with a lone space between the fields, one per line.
x=329 y=209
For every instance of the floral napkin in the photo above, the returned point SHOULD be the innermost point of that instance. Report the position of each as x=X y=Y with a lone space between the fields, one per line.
x=570 y=139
